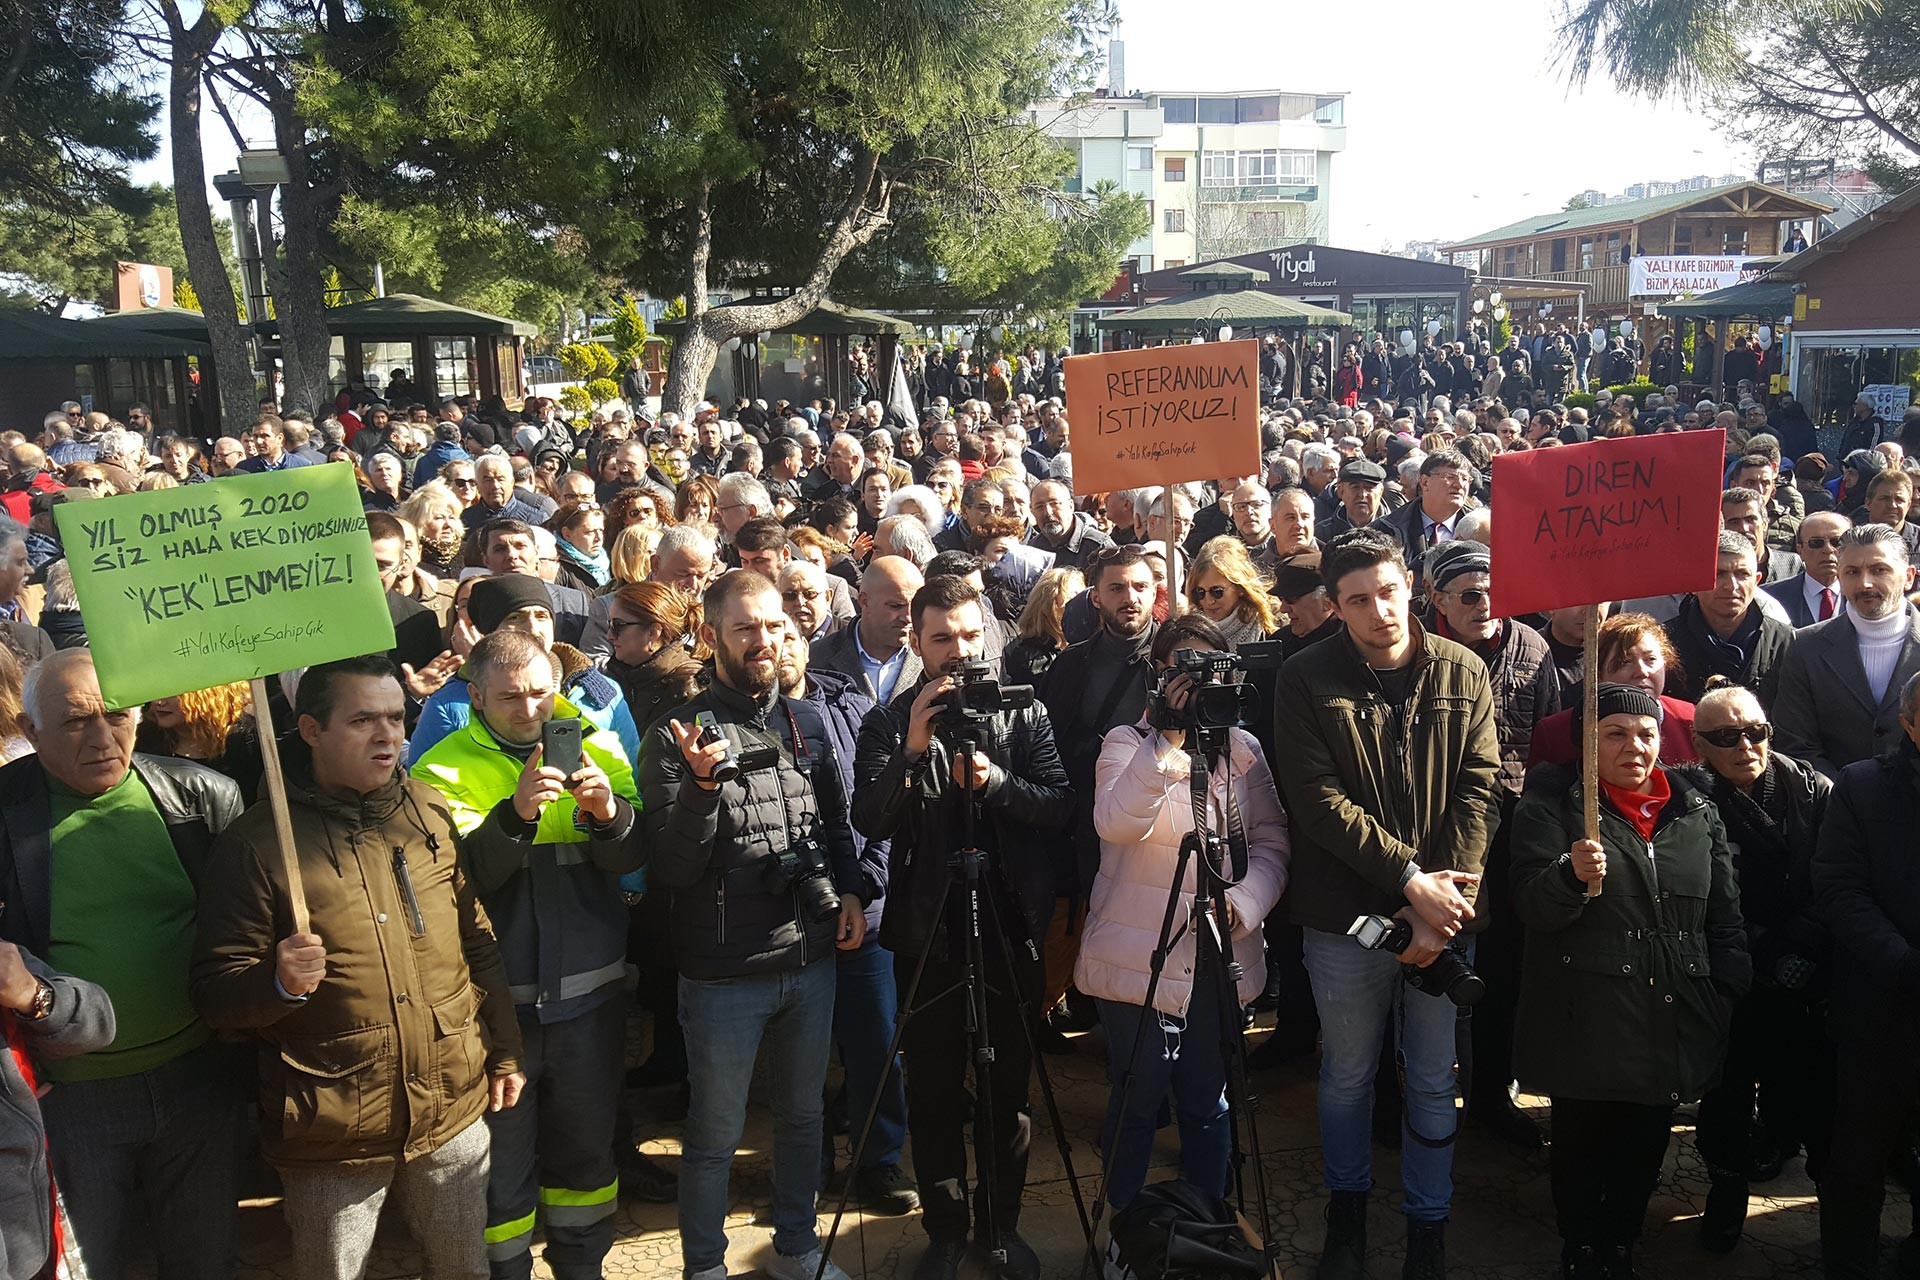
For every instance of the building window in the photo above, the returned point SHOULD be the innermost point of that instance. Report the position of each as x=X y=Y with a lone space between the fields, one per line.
x=1298 y=169
x=1217 y=110
x=1257 y=168
x=1586 y=253
x=1613 y=249
x=1736 y=239
x=1683 y=238
x=1259 y=110
x=1216 y=169
x=1174 y=169
x=1175 y=221
x=1175 y=262
x=1179 y=110
x=1330 y=110
x=1140 y=159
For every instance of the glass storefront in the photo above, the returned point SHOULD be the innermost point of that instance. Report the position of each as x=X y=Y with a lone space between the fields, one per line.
x=1829 y=379
x=456 y=371
x=379 y=361
x=1388 y=316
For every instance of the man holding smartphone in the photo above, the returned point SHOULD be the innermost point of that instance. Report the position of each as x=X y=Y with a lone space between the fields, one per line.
x=546 y=848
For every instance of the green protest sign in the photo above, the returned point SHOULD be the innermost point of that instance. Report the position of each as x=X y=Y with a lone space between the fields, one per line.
x=234 y=579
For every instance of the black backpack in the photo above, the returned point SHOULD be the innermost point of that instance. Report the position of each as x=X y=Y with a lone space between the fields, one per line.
x=1175 y=1231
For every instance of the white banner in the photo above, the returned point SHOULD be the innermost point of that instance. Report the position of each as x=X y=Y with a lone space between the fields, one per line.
x=1890 y=400
x=1671 y=277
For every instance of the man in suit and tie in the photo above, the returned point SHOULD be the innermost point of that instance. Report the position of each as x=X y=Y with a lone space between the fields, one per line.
x=1446 y=486
x=1813 y=594
x=874 y=650
x=1840 y=682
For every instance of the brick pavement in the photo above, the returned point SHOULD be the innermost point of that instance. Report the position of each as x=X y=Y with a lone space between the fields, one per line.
x=1502 y=1227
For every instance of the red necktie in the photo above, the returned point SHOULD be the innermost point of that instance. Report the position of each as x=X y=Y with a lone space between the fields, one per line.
x=1826 y=603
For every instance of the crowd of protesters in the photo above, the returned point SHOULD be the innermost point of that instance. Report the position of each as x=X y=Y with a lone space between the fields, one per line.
x=755 y=614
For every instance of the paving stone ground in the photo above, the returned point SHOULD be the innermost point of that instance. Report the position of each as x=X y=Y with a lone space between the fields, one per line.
x=1502 y=1227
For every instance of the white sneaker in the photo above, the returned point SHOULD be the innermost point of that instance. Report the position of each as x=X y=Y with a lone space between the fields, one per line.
x=781 y=1267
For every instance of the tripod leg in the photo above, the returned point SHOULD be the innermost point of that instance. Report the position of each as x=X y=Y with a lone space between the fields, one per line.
x=986 y=1157
x=904 y=1012
x=1215 y=959
x=1025 y=1016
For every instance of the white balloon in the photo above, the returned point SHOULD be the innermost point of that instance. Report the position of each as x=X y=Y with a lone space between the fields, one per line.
x=1546 y=308
x=966 y=342
x=1626 y=328
x=1433 y=328
x=1494 y=298
x=764 y=336
x=999 y=332
x=1479 y=305
x=733 y=344
x=1499 y=313
x=1199 y=339
x=1406 y=337
x=1766 y=336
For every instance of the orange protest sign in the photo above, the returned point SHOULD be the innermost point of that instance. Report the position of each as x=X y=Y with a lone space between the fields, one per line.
x=1164 y=415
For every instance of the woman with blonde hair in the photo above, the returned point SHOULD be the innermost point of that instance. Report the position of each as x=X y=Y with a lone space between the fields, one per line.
x=212 y=726
x=1225 y=586
x=434 y=509
x=13 y=717
x=1040 y=635
x=631 y=556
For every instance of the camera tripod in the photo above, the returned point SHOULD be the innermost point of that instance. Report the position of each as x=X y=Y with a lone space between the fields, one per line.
x=968 y=867
x=1216 y=977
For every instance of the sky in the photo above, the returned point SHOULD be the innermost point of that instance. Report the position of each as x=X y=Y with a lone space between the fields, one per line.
x=1457 y=121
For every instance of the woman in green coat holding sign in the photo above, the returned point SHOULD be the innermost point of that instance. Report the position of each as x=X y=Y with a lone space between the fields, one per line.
x=1626 y=994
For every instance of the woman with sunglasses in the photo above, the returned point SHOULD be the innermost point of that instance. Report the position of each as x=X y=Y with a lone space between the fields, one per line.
x=1626 y=995
x=1779 y=1050
x=1224 y=585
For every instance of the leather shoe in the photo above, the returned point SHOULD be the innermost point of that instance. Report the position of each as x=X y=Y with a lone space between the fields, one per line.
x=1022 y=1262
x=941 y=1261
x=883 y=1188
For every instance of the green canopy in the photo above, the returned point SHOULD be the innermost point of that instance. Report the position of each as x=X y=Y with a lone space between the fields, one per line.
x=827 y=318
x=34 y=335
x=1764 y=299
x=174 y=322
x=1248 y=308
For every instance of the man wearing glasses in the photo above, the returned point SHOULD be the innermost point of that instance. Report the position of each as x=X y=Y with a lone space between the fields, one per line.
x=72 y=441
x=1813 y=594
x=1250 y=506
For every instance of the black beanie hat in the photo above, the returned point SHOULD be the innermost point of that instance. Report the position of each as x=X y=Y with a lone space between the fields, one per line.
x=1454 y=558
x=494 y=599
x=1615 y=700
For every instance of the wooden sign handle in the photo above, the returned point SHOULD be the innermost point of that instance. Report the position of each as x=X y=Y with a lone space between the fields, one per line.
x=277 y=798
x=1590 y=730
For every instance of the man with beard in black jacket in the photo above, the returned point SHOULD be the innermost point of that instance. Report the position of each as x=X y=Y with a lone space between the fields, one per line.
x=914 y=780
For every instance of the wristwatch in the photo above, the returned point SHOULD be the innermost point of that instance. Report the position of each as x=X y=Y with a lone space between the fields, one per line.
x=42 y=1006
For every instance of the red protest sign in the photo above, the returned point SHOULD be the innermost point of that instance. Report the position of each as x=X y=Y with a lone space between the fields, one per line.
x=1164 y=415
x=1609 y=520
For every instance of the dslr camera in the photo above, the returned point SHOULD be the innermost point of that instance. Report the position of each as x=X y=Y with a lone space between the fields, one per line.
x=978 y=696
x=1449 y=975
x=1218 y=700
x=802 y=867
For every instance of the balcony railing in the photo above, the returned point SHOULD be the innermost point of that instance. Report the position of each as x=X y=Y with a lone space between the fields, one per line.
x=1609 y=283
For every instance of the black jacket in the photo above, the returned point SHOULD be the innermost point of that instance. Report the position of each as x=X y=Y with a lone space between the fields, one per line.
x=1867 y=894
x=1526 y=690
x=1076 y=548
x=1082 y=716
x=713 y=848
x=915 y=804
x=1752 y=658
x=195 y=802
x=831 y=713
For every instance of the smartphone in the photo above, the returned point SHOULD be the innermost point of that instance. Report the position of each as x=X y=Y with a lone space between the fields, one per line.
x=560 y=745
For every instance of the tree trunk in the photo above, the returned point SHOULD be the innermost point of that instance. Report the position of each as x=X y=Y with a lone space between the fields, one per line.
x=299 y=273
x=232 y=370
x=706 y=328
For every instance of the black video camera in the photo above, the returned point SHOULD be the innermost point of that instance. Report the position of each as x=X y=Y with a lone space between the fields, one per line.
x=1449 y=975
x=802 y=867
x=977 y=695
x=1217 y=699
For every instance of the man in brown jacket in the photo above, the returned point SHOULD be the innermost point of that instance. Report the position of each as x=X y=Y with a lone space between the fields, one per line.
x=388 y=1028
x=1390 y=774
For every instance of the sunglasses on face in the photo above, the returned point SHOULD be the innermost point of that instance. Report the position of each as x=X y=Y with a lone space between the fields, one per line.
x=1733 y=733
x=1821 y=544
x=1212 y=593
x=1472 y=595
x=463 y=482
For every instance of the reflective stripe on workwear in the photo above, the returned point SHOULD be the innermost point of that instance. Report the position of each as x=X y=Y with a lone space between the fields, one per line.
x=510 y=1239
x=563 y=1207
x=574 y=984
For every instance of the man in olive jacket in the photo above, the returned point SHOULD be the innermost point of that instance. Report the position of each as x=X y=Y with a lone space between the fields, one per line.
x=1391 y=786
x=387 y=1027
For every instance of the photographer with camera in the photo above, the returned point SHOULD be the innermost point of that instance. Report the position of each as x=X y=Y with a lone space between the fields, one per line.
x=957 y=738
x=1625 y=998
x=746 y=824
x=1391 y=790
x=1143 y=810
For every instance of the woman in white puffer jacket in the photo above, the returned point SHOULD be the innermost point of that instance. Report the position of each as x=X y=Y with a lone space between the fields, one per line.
x=1143 y=809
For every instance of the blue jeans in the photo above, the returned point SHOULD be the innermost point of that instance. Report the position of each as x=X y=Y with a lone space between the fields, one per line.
x=1357 y=991
x=1178 y=1057
x=863 y=1011
x=728 y=1021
